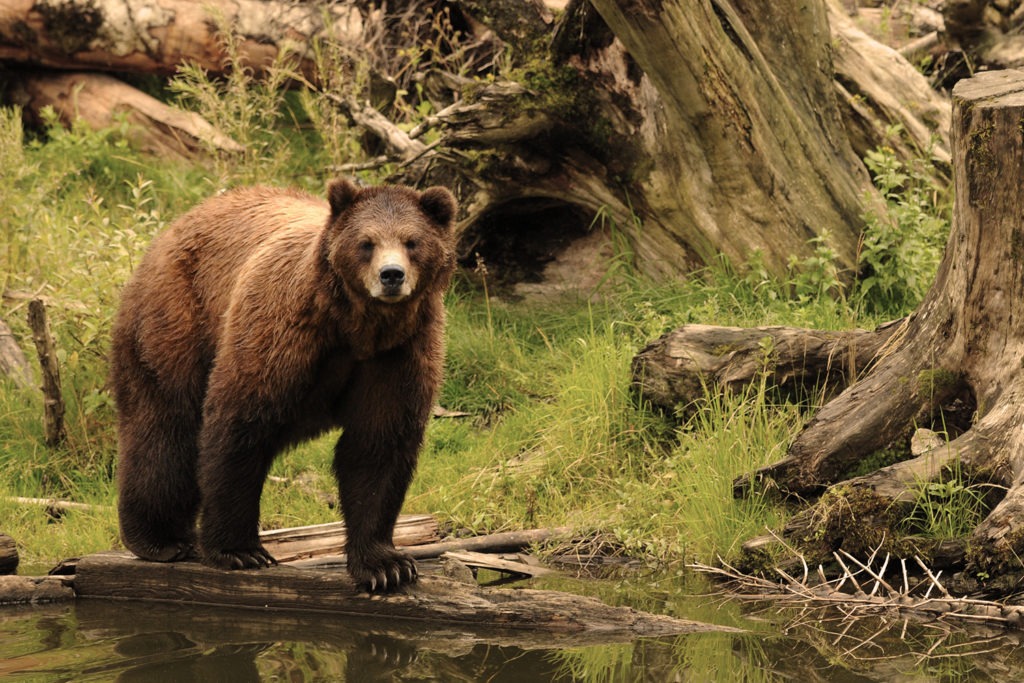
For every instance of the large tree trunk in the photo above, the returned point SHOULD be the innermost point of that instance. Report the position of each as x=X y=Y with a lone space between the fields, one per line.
x=965 y=341
x=714 y=123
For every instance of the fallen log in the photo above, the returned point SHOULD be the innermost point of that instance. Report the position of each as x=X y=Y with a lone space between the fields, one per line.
x=498 y=563
x=119 y=575
x=147 y=37
x=305 y=542
x=678 y=368
x=97 y=100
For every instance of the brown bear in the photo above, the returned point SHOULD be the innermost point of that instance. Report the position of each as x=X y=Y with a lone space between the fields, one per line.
x=262 y=318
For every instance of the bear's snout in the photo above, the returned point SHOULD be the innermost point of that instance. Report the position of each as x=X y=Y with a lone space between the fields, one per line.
x=392 y=276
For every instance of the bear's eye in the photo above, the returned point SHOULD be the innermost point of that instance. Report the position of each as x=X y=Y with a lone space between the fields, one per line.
x=410 y=244
x=366 y=247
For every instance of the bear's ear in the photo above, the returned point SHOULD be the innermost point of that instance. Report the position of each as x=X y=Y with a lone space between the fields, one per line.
x=439 y=204
x=341 y=193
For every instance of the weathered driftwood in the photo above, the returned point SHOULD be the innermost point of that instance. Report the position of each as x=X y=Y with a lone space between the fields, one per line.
x=317 y=540
x=8 y=555
x=118 y=575
x=677 y=369
x=25 y=590
x=53 y=399
x=97 y=100
x=13 y=363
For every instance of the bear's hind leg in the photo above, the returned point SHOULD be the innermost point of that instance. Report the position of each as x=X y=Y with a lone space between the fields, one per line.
x=159 y=496
x=158 y=429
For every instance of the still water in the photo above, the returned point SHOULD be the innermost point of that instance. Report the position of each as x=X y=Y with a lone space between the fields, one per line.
x=95 y=640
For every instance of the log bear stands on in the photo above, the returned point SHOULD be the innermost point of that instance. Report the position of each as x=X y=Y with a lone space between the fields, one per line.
x=262 y=318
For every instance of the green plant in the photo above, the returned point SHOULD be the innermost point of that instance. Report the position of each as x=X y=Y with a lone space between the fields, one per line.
x=815 y=276
x=902 y=243
x=948 y=508
x=242 y=104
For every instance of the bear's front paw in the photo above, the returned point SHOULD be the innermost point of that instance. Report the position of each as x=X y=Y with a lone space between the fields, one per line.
x=169 y=552
x=248 y=558
x=382 y=570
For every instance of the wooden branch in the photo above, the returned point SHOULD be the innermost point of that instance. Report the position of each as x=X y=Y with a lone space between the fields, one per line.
x=8 y=555
x=97 y=99
x=53 y=401
x=515 y=567
x=13 y=363
x=295 y=543
x=504 y=542
x=55 y=507
x=118 y=575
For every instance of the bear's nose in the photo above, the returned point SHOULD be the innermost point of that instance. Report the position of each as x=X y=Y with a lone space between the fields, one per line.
x=392 y=276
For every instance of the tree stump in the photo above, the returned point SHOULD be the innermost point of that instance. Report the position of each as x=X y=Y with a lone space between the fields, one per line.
x=965 y=340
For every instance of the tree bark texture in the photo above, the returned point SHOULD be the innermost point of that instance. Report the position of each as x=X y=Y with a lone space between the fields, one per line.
x=877 y=87
x=689 y=116
x=965 y=340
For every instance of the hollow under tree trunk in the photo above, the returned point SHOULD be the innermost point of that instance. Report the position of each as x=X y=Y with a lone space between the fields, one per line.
x=966 y=339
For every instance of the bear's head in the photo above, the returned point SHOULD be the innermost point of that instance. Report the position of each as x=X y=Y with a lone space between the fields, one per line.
x=390 y=243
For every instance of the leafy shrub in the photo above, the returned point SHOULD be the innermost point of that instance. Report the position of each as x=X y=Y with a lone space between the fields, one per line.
x=902 y=243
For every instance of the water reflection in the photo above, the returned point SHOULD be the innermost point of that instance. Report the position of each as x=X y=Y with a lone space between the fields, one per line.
x=102 y=641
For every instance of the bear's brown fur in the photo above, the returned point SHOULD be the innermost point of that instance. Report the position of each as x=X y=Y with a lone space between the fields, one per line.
x=260 y=319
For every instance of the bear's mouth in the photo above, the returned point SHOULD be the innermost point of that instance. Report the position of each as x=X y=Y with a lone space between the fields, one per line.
x=391 y=295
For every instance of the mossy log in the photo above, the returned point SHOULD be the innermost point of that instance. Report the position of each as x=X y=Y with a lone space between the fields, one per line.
x=435 y=599
x=964 y=342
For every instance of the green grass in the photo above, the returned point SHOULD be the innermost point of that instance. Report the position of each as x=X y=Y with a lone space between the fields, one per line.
x=554 y=434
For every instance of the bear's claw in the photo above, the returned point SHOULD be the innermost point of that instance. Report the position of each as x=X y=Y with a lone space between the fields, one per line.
x=391 y=572
x=249 y=558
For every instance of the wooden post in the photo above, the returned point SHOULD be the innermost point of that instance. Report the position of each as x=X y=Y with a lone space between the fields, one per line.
x=53 y=415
